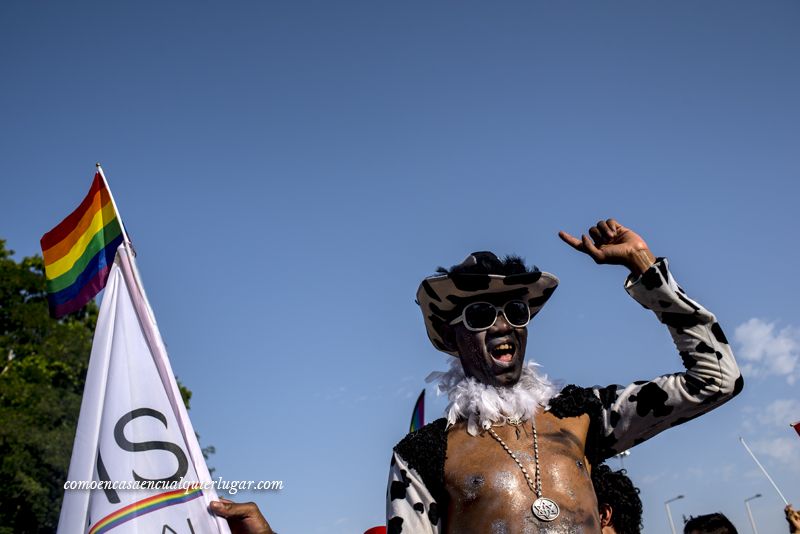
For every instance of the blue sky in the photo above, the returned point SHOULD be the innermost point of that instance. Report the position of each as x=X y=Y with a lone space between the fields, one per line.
x=290 y=171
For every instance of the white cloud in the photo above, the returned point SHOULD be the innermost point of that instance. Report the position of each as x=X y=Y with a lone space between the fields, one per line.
x=753 y=474
x=775 y=417
x=651 y=478
x=765 y=350
x=696 y=472
x=782 y=412
x=784 y=451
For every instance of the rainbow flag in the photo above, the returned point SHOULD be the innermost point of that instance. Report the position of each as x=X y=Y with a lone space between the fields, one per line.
x=145 y=506
x=418 y=415
x=78 y=253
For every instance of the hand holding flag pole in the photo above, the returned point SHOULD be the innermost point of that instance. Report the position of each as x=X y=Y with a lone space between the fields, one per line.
x=741 y=439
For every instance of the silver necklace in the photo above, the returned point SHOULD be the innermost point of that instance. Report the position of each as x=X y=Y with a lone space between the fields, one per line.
x=543 y=508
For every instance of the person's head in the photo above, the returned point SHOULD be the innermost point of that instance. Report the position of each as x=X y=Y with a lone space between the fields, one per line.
x=618 y=501
x=709 y=524
x=479 y=310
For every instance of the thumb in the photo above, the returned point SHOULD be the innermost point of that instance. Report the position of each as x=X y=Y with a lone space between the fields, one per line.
x=222 y=507
x=239 y=511
x=231 y=510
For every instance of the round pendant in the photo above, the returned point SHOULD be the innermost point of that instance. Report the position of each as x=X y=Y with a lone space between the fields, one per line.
x=545 y=509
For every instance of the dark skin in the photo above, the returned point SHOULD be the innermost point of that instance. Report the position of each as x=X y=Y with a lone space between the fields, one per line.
x=243 y=518
x=793 y=518
x=488 y=492
x=606 y=523
x=475 y=349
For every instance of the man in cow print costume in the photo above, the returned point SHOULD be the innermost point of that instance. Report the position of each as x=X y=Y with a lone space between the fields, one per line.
x=477 y=470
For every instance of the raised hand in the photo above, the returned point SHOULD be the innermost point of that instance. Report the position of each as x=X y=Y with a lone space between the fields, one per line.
x=613 y=244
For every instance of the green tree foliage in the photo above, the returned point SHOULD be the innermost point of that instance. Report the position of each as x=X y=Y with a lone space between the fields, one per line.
x=43 y=365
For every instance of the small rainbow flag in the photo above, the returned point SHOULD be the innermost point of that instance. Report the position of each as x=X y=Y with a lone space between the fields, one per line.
x=78 y=253
x=418 y=415
x=145 y=506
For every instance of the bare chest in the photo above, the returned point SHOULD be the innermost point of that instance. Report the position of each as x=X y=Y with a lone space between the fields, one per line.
x=490 y=493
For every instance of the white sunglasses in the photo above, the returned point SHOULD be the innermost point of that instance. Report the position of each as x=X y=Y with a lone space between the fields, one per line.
x=478 y=316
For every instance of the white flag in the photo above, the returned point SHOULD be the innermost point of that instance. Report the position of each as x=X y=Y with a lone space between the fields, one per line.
x=133 y=428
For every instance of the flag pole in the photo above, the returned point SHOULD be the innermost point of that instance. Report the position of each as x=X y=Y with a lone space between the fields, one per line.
x=128 y=244
x=144 y=311
x=125 y=237
x=764 y=471
x=153 y=336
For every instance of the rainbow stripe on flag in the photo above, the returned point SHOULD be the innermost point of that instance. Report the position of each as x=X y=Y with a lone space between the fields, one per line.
x=418 y=415
x=78 y=253
x=145 y=506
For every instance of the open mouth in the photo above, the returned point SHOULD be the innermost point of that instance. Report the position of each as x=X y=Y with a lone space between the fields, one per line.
x=503 y=352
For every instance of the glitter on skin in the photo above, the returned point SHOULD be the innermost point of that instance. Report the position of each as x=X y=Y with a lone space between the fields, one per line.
x=506 y=481
x=560 y=476
x=472 y=485
x=499 y=527
x=515 y=490
x=566 y=528
x=535 y=527
x=525 y=457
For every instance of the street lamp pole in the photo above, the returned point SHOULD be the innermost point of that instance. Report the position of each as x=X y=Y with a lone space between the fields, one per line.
x=669 y=514
x=750 y=512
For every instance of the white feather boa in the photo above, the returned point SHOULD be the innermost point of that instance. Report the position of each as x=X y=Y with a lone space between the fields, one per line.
x=482 y=405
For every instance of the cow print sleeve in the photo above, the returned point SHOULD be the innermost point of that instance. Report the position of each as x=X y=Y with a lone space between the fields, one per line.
x=410 y=507
x=634 y=413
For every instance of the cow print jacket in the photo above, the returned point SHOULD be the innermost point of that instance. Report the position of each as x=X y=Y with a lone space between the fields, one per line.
x=621 y=416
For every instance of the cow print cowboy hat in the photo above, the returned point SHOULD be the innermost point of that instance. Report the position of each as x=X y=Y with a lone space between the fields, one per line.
x=442 y=297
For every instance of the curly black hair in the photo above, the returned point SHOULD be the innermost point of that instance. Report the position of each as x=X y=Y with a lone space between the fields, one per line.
x=615 y=489
x=710 y=524
x=488 y=263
